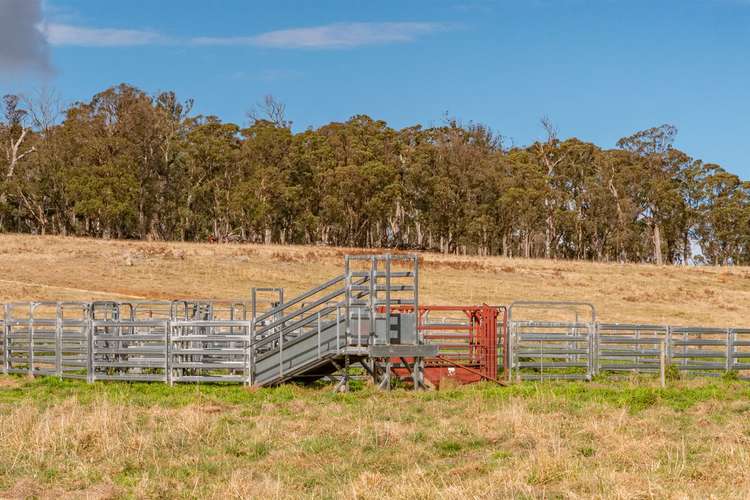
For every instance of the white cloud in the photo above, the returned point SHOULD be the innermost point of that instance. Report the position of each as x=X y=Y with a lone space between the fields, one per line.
x=67 y=34
x=331 y=36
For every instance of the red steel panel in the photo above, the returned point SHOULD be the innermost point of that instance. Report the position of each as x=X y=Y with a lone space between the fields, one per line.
x=474 y=355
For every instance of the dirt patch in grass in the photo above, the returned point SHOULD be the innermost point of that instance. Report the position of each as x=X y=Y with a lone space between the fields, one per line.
x=9 y=382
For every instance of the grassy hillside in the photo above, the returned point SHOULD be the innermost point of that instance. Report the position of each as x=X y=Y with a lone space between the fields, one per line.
x=607 y=439
x=55 y=268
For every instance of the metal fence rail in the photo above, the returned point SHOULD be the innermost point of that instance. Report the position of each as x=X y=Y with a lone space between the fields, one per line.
x=180 y=341
x=341 y=322
x=629 y=347
x=573 y=350
x=547 y=349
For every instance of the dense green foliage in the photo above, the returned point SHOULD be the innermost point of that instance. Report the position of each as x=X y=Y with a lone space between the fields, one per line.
x=131 y=165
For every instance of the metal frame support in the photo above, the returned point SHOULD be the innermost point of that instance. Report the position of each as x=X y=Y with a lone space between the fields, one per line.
x=668 y=339
x=6 y=338
x=58 y=339
x=254 y=294
x=343 y=385
x=250 y=355
x=90 y=351
x=168 y=362
x=730 y=350
x=32 y=308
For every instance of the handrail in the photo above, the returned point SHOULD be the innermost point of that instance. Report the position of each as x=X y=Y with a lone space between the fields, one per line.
x=300 y=311
x=294 y=326
x=306 y=307
x=300 y=298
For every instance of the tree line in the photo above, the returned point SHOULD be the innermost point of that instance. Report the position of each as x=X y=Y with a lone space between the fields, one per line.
x=128 y=164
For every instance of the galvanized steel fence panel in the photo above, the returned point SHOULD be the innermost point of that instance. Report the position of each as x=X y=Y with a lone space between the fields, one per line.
x=3 y=337
x=548 y=349
x=210 y=351
x=571 y=350
x=627 y=347
x=741 y=350
x=214 y=341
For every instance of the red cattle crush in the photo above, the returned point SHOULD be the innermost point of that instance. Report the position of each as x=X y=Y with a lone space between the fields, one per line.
x=468 y=341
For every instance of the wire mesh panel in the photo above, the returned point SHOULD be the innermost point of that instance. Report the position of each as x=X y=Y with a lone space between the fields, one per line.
x=210 y=351
x=552 y=350
x=630 y=347
x=129 y=350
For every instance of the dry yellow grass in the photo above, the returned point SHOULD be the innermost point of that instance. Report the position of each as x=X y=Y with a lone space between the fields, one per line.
x=532 y=441
x=56 y=268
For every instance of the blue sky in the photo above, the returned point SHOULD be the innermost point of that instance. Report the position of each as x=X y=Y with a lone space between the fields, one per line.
x=599 y=69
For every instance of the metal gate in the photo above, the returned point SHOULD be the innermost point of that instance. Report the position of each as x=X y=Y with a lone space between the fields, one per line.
x=552 y=348
x=46 y=338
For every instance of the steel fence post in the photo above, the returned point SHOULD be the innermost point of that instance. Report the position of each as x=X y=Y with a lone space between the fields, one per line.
x=347 y=325
x=319 y=353
x=730 y=350
x=669 y=344
x=338 y=329
x=596 y=348
x=662 y=364
x=510 y=345
x=32 y=306
x=281 y=354
x=58 y=339
x=249 y=348
x=168 y=352
x=418 y=334
x=6 y=342
x=90 y=354
x=371 y=299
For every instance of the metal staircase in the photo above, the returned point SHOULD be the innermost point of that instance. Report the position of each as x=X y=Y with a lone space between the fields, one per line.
x=339 y=323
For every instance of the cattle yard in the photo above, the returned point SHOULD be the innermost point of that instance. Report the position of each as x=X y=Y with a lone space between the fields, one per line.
x=367 y=321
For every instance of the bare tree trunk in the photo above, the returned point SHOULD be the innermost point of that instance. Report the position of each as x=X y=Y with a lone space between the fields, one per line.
x=548 y=235
x=527 y=244
x=657 y=245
